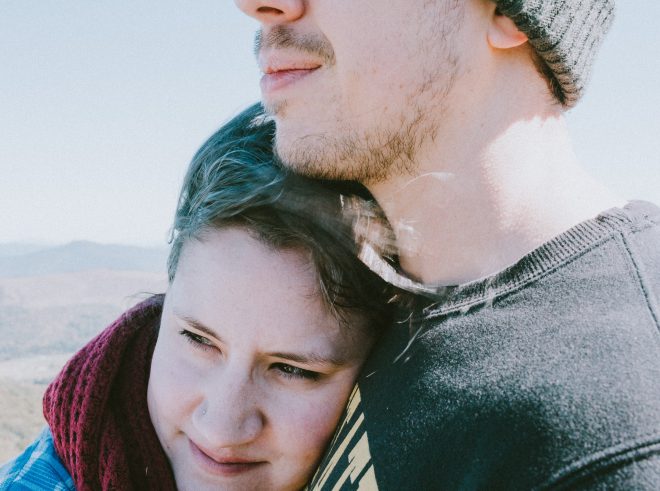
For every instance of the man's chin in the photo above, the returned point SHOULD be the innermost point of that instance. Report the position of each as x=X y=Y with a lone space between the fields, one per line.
x=302 y=153
x=314 y=149
x=302 y=162
x=274 y=109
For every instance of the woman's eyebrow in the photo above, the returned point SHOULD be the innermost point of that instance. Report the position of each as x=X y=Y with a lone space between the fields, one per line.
x=194 y=323
x=311 y=358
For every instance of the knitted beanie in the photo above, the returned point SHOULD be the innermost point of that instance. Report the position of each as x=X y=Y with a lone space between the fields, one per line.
x=566 y=34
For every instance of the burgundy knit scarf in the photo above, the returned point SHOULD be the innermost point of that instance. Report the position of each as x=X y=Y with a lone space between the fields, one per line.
x=97 y=408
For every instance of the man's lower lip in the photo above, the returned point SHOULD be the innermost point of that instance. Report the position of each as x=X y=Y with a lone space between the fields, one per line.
x=222 y=469
x=270 y=82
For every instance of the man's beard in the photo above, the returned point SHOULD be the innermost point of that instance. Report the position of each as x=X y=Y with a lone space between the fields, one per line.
x=351 y=155
x=368 y=155
x=374 y=155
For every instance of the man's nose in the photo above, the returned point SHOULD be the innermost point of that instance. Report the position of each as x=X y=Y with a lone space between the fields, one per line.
x=272 y=11
x=230 y=415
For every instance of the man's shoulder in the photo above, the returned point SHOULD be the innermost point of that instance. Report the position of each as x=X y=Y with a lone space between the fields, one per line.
x=642 y=244
x=37 y=468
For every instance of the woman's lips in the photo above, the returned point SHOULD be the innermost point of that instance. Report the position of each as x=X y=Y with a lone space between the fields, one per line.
x=226 y=466
x=277 y=80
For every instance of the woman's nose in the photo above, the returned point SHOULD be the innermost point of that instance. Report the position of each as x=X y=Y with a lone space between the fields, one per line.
x=230 y=415
x=272 y=11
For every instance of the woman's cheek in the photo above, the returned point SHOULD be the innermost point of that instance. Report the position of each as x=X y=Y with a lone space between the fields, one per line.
x=172 y=384
x=307 y=421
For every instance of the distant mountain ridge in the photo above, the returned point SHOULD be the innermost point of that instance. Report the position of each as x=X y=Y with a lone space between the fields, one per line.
x=80 y=256
x=19 y=248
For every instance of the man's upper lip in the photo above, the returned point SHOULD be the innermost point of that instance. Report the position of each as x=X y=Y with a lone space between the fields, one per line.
x=274 y=64
x=228 y=457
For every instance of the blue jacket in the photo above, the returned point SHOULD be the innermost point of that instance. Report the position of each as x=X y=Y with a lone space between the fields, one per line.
x=36 y=469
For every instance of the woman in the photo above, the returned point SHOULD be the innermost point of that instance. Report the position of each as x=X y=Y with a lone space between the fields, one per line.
x=236 y=378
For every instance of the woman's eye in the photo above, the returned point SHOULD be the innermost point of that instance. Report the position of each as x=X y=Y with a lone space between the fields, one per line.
x=290 y=371
x=196 y=340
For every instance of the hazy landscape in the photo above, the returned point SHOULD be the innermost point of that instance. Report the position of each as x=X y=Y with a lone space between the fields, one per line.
x=52 y=301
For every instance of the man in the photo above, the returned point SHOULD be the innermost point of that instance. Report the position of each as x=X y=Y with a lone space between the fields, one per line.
x=531 y=357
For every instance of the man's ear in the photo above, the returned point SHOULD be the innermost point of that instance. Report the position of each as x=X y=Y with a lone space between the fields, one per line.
x=503 y=33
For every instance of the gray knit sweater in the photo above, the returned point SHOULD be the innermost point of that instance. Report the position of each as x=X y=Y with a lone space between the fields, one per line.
x=545 y=376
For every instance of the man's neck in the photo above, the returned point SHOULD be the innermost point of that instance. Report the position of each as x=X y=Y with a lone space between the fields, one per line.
x=480 y=203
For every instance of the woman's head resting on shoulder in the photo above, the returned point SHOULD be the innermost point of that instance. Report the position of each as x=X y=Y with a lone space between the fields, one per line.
x=267 y=320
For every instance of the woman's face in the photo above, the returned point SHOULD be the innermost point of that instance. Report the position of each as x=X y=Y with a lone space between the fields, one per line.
x=250 y=372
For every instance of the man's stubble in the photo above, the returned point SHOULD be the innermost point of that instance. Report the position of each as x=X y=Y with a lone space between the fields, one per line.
x=373 y=155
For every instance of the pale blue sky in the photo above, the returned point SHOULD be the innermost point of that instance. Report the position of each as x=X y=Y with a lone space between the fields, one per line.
x=103 y=103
